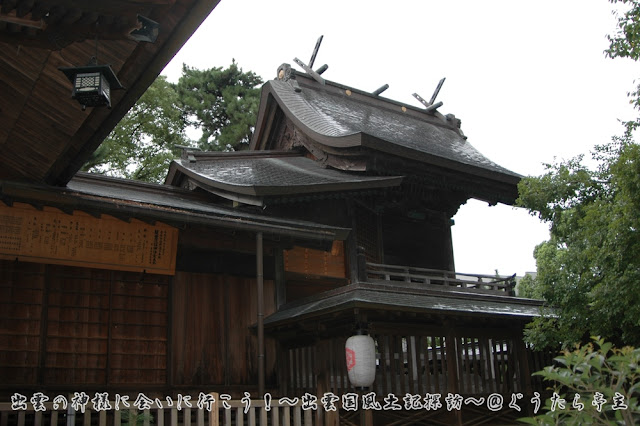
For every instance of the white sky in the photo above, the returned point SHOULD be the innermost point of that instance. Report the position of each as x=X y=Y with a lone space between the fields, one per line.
x=528 y=79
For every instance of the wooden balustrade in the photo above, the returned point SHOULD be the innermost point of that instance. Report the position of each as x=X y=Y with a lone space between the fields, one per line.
x=445 y=280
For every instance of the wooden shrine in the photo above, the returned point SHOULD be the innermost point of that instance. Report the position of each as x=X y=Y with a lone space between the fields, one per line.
x=246 y=271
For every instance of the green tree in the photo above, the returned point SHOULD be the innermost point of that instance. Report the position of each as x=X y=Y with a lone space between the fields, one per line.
x=222 y=103
x=141 y=146
x=625 y=42
x=527 y=287
x=589 y=269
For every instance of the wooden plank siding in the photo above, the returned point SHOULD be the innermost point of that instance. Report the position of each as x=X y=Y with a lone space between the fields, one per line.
x=308 y=261
x=64 y=327
x=211 y=327
x=22 y=289
x=76 y=326
x=310 y=271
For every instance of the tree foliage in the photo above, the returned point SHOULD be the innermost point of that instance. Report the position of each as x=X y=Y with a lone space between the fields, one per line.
x=527 y=287
x=222 y=103
x=141 y=146
x=597 y=383
x=589 y=269
x=625 y=42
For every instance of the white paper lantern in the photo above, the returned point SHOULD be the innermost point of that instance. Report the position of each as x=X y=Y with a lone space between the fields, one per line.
x=361 y=360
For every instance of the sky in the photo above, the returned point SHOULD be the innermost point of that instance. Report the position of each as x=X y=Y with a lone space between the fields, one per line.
x=528 y=79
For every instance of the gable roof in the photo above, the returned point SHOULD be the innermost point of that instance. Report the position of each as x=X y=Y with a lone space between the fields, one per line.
x=341 y=121
x=45 y=136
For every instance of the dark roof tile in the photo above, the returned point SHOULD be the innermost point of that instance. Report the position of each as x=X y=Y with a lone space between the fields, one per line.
x=274 y=174
x=338 y=119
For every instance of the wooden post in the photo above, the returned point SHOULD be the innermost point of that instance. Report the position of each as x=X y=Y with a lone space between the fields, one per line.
x=281 y=290
x=214 y=415
x=260 y=285
x=323 y=373
x=362 y=265
x=452 y=364
x=351 y=245
x=366 y=417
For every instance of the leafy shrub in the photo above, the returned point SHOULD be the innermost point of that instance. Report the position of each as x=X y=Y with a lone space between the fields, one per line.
x=595 y=384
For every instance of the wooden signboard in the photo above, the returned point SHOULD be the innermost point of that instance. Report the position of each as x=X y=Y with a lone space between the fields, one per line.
x=50 y=236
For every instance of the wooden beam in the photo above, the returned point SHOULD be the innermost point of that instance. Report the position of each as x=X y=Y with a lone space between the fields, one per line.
x=309 y=71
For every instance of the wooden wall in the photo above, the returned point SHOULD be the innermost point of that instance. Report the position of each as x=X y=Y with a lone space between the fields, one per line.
x=63 y=326
x=424 y=243
x=311 y=271
x=70 y=328
x=21 y=297
x=212 y=340
x=308 y=261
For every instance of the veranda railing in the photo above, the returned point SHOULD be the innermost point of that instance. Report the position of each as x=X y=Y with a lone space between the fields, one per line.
x=445 y=280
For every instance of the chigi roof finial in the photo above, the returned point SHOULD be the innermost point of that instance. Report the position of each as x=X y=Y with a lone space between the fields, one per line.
x=308 y=68
x=431 y=106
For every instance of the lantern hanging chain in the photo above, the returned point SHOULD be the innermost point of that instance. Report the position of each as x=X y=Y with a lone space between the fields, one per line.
x=94 y=59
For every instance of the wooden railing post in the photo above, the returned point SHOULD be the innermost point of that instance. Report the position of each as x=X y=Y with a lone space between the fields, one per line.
x=214 y=415
x=362 y=264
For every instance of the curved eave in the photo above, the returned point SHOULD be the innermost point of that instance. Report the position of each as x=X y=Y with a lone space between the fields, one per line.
x=225 y=189
x=269 y=100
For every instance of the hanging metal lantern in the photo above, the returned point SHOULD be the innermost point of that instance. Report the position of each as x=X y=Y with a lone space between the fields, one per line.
x=92 y=85
x=361 y=360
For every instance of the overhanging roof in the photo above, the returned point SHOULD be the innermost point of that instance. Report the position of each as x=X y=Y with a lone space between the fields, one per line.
x=395 y=298
x=250 y=175
x=127 y=199
x=45 y=136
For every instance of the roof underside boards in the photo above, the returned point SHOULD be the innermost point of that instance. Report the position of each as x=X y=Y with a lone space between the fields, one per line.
x=130 y=199
x=45 y=136
x=401 y=298
x=259 y=174
x=342 y=117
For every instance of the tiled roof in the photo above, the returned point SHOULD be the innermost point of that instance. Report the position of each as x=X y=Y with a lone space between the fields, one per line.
x=98 y=194
x=273 y=173
x=342 y=117
x=371 y=296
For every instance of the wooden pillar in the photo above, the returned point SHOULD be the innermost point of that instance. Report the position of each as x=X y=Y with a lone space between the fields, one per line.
x=452 y=357
x=523 y=363
x=351 y=245
x=44 y=320
x=260 y=285
x=323 y=373
x=281 y=289
x=448 y=246
x=366 y=417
